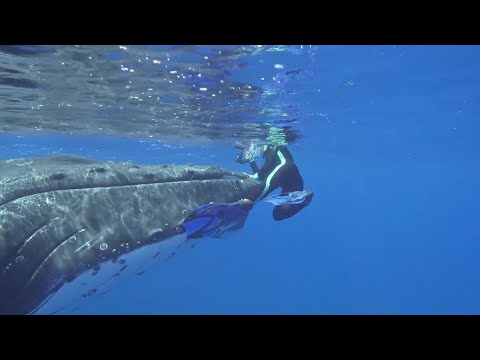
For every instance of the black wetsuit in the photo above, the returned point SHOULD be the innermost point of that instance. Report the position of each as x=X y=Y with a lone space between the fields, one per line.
x=279 y=170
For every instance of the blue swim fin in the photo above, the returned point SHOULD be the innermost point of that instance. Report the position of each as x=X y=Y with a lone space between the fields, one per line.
x=214 y=219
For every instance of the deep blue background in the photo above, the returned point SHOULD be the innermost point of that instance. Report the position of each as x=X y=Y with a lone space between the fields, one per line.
x=394 y=224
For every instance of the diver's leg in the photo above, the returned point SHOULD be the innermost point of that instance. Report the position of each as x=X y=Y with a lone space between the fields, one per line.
x=279 y=170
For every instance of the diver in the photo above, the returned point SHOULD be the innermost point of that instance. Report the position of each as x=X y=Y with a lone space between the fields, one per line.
x=278 y=170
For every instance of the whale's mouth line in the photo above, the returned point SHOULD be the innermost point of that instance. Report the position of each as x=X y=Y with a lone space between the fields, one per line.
x=49 y=296
x=226 y=178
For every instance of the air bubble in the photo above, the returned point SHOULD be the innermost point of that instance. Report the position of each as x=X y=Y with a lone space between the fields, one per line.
x=103 y=246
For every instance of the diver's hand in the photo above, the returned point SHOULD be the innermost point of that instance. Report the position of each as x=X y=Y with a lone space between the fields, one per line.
x=241 y=159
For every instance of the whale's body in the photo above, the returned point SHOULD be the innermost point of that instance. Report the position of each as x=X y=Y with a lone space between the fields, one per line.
x=71 y=224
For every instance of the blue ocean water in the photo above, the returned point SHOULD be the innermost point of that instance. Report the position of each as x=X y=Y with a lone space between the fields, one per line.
x=390 y=145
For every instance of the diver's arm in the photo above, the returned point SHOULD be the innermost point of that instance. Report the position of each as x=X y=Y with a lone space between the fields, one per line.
x=254 y=166
x=242 y=160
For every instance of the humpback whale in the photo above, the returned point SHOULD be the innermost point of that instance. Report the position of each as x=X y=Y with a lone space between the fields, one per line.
x=70 y=225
